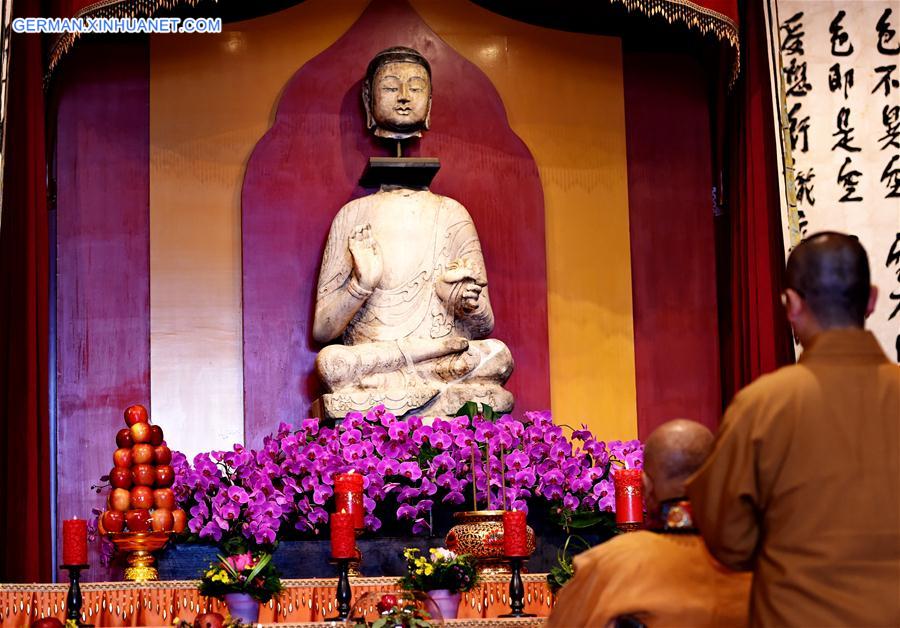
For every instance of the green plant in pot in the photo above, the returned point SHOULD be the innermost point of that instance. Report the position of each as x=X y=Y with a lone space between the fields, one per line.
x=564 y=568
x=243 y=581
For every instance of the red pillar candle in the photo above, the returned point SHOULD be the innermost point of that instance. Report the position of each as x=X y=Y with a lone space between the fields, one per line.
x=343 y=536
x=515 y=541
x=75 y=550
x=629 y=496
x=346 y=482
x=348 y=497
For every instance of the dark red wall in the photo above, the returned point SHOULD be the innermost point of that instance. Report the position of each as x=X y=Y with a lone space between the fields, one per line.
x=103 y=302
x=672 y=241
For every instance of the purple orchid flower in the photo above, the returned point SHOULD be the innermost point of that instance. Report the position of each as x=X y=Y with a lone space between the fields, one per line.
x=288 y=481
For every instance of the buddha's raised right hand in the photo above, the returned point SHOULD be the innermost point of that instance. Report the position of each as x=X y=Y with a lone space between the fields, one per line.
x=368 y=264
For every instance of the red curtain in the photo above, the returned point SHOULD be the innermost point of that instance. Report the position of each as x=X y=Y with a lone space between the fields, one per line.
x=676 y=345
x=755 y=335
x=24 y=333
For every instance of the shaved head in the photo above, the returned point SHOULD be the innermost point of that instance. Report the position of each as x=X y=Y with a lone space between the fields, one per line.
x=830 y=271
x=672 y=453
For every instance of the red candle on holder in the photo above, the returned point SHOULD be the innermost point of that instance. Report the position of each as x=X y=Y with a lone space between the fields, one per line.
x=629 y=497
x=75 y=550
x=348 y=497
x=515 y=541
x=347 y=482
x=343 y=536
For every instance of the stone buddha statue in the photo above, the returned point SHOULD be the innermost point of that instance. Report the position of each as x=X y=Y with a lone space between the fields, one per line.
x=403 y=283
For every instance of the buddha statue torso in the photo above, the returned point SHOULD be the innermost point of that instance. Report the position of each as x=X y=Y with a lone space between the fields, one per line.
x=420 y=234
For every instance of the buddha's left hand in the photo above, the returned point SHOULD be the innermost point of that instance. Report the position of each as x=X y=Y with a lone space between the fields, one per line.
x=461 y=285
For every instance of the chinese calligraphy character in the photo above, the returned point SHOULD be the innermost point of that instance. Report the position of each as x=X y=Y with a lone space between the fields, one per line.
x=893 y=259
x=886 y=34
x=844 y=132
x=840 y=40
x=895 y=296
x=798 y=127
x=891 y=178
x=894 y=254
x=887 y=80
x=805 y=187
x=795 y=74
x=793 y=35
x=890 y=118
x=836 y=80
x=849 y=180
x=802 y=222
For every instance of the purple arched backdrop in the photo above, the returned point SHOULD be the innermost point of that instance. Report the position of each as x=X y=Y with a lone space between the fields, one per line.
x=308 y=165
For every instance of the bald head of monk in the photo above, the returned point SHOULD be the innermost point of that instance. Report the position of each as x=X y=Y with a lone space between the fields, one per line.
x=828 y=285
x=672 y=453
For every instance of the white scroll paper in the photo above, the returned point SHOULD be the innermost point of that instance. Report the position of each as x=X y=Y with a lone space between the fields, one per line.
x=840 y=106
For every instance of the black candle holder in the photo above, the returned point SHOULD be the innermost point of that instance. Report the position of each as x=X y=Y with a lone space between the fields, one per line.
x=74 y=599
x=343 y=590
x=516 y=589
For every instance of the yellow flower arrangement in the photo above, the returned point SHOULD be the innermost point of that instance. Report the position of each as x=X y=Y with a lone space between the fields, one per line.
x=440 y=569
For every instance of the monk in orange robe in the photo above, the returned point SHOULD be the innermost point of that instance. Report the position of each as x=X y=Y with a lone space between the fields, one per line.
x=803 y=485
x=661 y=578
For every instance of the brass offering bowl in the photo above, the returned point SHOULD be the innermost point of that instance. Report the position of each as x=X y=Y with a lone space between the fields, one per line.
x=140 y=547
x=479 y=533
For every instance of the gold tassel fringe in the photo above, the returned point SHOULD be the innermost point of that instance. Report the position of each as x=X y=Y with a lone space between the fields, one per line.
x=689 y=13
x=109 y=9
x=694 y=16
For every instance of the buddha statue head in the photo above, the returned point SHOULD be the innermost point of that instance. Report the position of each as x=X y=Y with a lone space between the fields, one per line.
x=397 y=94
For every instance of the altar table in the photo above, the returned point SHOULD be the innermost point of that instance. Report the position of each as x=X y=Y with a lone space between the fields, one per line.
x=160 y=603
x=493 y=622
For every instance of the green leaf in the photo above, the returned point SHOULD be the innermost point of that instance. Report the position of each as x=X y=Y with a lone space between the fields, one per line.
x=469 y=409
x=564 y=569
x=574 y=537
x=234 y=545
x=231 y=572
x=586 y=519
x=427 y=453
x=259 y=566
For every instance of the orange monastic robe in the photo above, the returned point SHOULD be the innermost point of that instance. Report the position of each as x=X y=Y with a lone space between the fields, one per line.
x=660 y=579
x=803 y=487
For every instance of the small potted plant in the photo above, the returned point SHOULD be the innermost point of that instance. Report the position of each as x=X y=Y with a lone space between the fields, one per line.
x=243 y=581
x=443 y=575
x=564 y=569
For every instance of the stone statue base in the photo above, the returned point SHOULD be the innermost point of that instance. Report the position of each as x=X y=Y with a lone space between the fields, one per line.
x=408 y=402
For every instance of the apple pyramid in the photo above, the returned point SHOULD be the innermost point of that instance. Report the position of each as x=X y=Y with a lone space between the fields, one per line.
x=141 y=497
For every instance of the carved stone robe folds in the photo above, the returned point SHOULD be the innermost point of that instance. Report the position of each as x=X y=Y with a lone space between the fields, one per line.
x=803 y=487
x=410 y=346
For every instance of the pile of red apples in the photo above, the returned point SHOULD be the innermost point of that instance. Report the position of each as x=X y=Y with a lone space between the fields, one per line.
x=141 y=497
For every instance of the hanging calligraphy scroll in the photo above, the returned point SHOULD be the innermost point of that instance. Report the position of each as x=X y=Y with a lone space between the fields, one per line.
x=840 y=110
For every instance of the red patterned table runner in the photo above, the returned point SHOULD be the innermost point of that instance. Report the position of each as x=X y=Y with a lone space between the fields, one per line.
x=159 y=603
